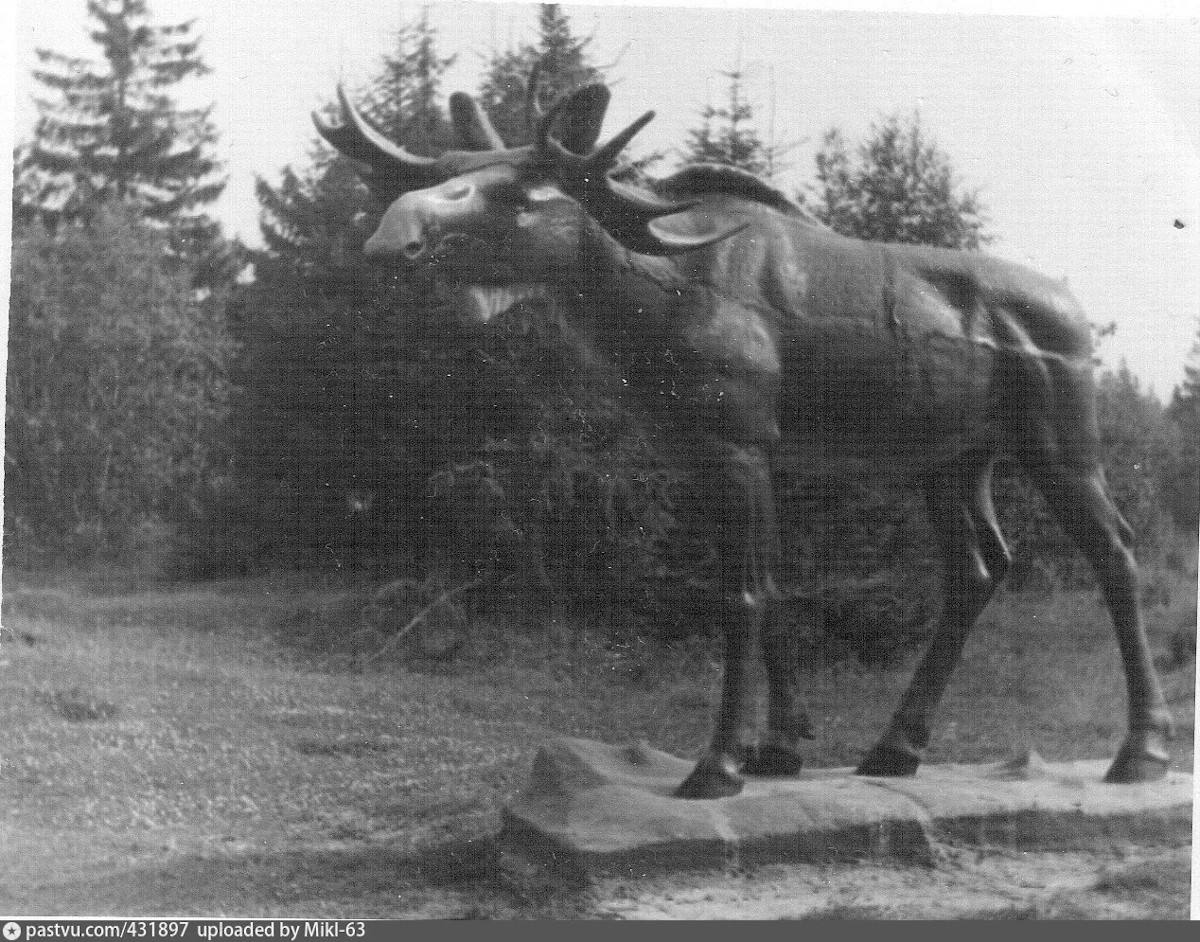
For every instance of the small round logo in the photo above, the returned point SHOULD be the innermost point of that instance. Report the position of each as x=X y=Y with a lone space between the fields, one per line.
x=12 y=931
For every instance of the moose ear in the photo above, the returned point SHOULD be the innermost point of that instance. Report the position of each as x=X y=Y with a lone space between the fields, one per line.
x=582 y=117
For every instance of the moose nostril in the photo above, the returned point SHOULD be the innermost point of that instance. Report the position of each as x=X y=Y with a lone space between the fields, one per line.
x=414 y=249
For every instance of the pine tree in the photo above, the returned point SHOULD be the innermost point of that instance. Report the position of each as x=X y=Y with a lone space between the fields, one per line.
x=563 y=63
x=111 y=130
x=898 y=187
x=726 y=135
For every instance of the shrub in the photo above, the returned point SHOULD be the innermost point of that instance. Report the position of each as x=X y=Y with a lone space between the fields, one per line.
x=117 y=390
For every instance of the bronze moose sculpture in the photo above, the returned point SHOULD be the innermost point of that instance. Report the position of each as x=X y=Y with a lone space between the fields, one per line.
x=749 y=332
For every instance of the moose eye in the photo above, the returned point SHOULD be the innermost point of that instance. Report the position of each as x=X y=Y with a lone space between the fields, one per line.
x=542 y=193
x=534 y=200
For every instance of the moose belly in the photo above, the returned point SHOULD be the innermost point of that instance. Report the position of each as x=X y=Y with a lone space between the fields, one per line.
x=857 y=401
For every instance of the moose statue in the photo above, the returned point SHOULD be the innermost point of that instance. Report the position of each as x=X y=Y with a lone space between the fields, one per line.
x=747 y=333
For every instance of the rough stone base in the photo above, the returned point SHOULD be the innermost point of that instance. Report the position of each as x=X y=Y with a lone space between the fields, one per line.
x=597 y=809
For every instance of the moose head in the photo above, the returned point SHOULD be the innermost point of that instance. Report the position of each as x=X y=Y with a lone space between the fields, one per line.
x=496 y=220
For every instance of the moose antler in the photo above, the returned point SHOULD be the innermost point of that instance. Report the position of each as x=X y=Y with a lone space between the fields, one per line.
x=533 y=111
x=472 y=125
x=582 y=124
x=625 y=213
x=390 y=169
x=572 y=160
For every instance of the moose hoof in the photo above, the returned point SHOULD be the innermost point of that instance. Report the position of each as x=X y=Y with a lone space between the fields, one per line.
x=715 y=776
x=889 y=761
x=772 y=760
x=1138 y=761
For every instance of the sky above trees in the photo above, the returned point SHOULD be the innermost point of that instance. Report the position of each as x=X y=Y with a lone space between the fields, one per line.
x=1083 y=135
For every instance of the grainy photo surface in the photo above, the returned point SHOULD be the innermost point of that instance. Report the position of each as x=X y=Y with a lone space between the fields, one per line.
x=508 y=460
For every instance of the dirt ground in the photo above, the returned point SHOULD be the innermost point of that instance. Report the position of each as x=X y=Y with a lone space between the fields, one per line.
x=966 y=883
x=165 y=754
x=363 y=878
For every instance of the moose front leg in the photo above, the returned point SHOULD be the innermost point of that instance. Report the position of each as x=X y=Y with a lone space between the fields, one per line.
x=718 y=773
x=788 y=722
x=738 y=495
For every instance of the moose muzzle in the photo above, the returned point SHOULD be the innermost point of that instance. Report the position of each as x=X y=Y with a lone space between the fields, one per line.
x=419 y=224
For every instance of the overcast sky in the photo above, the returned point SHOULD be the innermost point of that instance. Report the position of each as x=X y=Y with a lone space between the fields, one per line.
x=1083 y=134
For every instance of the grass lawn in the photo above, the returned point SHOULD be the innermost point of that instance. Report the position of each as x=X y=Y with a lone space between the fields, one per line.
x=225 y=749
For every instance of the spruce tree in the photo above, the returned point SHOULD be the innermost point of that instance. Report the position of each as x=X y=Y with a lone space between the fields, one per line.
x=110 y=129
x=1184 y=492
x=726 y=135
x=316 y=219
x=1187 y=396
x=404 y=99
x=334 y=360
x=563 y=63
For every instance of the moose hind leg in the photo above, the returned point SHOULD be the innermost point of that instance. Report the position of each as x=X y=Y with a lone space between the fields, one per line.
x=1081 y=503
x=739 y=496
x=976 y=559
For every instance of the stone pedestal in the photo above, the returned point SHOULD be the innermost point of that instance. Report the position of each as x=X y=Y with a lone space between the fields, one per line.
x=597 y=809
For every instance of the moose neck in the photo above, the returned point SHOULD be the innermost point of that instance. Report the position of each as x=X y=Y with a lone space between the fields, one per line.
x=618 y=297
